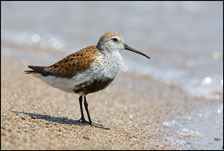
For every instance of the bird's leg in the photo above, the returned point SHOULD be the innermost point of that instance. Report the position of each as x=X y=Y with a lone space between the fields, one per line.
x=90 y=121
x=87 y=111
x=82 y=119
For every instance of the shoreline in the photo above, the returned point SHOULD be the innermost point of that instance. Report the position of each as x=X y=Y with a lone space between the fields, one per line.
x=135 y=107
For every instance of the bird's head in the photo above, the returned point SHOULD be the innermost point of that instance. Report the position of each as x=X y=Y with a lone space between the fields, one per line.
x=112 y=41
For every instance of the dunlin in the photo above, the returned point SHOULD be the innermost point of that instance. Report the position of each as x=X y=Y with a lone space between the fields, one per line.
x=86 y=71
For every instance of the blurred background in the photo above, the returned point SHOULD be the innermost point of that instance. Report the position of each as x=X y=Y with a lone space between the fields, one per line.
x=176 y=96
x=183 y=39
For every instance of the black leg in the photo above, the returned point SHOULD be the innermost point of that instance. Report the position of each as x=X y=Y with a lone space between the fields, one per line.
x=82 y=119
x=90 y=121
x=86 y=106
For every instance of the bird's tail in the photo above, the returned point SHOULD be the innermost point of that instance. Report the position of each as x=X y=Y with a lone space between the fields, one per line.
x=35 y=69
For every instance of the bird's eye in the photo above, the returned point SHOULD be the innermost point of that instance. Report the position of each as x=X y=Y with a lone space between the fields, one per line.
x=115 y=39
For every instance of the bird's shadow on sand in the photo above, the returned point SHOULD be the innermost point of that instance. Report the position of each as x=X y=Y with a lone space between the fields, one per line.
x=60 y=120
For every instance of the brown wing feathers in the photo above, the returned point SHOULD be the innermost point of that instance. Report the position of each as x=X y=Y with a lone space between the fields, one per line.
x=70 y=65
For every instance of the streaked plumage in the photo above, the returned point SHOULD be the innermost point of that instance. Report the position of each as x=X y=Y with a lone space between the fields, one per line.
x=70 y=65
x=88 y=70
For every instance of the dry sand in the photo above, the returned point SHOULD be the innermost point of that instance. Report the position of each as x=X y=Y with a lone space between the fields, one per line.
x=37 y=116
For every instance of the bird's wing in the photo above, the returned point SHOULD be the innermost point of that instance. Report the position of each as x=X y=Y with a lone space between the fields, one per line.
x=70 y=65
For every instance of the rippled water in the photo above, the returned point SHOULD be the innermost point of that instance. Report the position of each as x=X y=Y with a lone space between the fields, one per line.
x=183 y=39
x=201 y=129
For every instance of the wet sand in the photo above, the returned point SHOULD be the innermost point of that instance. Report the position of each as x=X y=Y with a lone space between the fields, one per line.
x=37 y=116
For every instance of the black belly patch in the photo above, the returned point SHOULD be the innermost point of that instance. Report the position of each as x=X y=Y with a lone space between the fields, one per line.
x=92 y=85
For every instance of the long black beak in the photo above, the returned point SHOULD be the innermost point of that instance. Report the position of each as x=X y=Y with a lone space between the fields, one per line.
x=133 y=50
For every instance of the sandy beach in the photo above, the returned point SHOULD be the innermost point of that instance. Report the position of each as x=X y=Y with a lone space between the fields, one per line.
x=37 y=116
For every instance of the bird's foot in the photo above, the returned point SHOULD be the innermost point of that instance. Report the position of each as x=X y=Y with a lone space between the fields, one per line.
x=98 y=126
x=82 y=120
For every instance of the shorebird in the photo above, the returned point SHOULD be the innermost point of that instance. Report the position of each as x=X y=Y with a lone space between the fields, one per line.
x=86 y=71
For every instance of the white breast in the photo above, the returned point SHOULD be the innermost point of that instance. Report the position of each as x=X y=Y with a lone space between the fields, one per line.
x=107 y=65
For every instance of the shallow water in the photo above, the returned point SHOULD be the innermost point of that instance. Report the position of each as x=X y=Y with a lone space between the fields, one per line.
x=201 y=129
x=183 y=39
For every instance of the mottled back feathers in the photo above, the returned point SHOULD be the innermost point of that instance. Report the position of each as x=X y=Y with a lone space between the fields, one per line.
x=70 y=65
